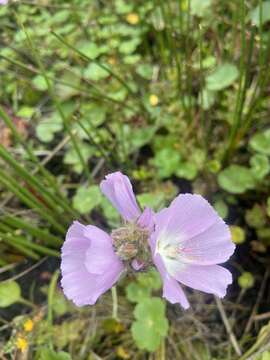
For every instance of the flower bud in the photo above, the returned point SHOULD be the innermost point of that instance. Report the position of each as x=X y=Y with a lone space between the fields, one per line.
x=131 y=242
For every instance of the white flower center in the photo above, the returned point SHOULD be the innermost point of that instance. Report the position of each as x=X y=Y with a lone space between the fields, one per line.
x=170 y=252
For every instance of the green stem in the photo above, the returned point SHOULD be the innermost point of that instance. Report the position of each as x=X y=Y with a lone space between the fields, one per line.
x=29 y=199
x=115 y=303
x=51 y=292
x=22 y=224
x=27 y=303
x=241 y=88
x=59 y=197
x=21 y=248
x=85 y=57
x=56 y=102
x=31 y=180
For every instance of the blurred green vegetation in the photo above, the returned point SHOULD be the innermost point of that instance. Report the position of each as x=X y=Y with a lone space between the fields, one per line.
x=176 y=95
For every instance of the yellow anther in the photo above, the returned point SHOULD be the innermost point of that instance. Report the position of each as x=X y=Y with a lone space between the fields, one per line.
x=21 y=343
x=154 y=100
x=133 y=18
x=28 y=325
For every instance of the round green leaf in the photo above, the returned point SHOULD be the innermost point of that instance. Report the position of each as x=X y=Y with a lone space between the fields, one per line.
x=10 y=293
x=255 y=13
x=90 y=49
x=49 y=354
x=187 y=170
x=206 y=99
x=261 y=142
x=129 y=46
x=72 y=158
x=135 y=292
x=46 y=129
x=199 y=7
x=153 y=200
x=40 y=83
x=151 y=325
x=238 y=234
x=246 y=280
x=150 y=279
x=255 y=217
x=95 y=72
x=236 y=179
x=221 y=208
x=87 y=198
x=260 y=166
x=223 y=76
x=166 y=161
x=145 y=71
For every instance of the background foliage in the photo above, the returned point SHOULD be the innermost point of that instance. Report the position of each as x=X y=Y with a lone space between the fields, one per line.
x=176 y=95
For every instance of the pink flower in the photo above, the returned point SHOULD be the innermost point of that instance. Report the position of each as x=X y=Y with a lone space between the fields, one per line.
x=92 y=261
x=189 y=240
x=89 y=264
x=3 y=2
x=185 y=241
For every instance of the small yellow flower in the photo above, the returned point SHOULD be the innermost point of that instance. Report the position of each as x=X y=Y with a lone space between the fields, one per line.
x=133 y=18
x=112 y=60
x=122 y=353
x=21 y=343
x=238 y=234
x=28 y=325
x=154 y=100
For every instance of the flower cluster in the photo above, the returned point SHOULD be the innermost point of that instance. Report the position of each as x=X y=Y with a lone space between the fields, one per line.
x=185 y=242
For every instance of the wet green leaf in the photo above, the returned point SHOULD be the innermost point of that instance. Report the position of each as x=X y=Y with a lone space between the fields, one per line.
x=129 y=46
x=261 y=142
x=95 y=72
x=26 y=112
x=238 y=234
x=206 y=99
x=122 y=7
x=94 y=114
x=260 y=166
x=200 y=7
x=87 y=198
x=236 y=179
x=153 y=200
x=49 y=354
x=151 y=325
x=90 y=49
x=136 y=293
x=187 y=170
x=10 y=293
x=222 y=208
x=167 y=162
x=223 y=76
x=60 y=304
x=72 y=157
x=109 y=212
x=246 y=280
x=255 y=14
x=255 y=217
x=145 y=71
x=47 y=128
x=40 y=83
x=150 y=279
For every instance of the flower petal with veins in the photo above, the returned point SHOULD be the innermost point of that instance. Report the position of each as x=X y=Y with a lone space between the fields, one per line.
x=118 y=189
x=188 y=241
